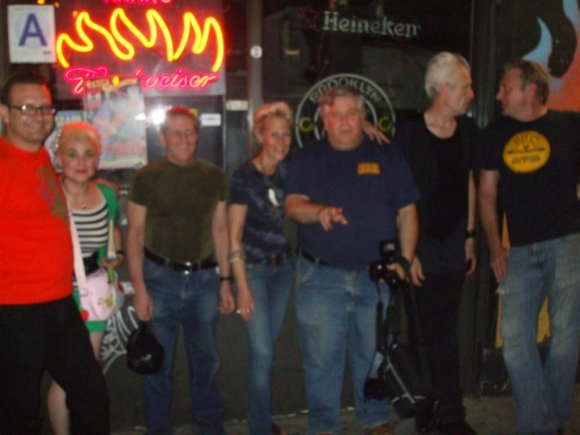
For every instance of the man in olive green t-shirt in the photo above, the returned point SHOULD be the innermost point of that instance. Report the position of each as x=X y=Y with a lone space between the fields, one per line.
x=177 y=232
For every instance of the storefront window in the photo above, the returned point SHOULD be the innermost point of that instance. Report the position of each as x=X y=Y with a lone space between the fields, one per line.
x=384 y=41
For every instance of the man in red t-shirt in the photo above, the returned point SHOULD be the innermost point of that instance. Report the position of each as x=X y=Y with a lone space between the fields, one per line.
x=40 y=326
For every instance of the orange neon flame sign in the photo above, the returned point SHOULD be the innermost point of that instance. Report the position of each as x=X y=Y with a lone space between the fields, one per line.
x=124 y=50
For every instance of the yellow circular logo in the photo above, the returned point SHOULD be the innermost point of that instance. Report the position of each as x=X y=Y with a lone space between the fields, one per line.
x=526 y=152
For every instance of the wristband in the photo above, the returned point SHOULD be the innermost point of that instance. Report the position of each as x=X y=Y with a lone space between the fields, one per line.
x=470 y=234
x=226 y=278
x=120 y=252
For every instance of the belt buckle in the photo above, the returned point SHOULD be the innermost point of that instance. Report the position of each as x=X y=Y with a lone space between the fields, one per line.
x=189 y=268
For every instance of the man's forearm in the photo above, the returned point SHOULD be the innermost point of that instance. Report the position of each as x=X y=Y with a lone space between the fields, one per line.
x=488 y=210
x=136 y=215
x=135 y=261
x=221 y=239
x=408 y=231
x=471 y=201
x=300 y=209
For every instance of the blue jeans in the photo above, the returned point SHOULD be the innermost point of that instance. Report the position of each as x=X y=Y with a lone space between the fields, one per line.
x=336 y=312
x=49 y=336
x=192 y=301
x=271 y=287
x=546 y=269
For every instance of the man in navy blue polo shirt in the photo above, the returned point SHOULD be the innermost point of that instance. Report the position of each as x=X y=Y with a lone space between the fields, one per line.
x=347 y=194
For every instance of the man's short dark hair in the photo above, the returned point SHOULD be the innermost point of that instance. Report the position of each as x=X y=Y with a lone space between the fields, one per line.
x=22 y=78
x=179 y=111
x=532 y=74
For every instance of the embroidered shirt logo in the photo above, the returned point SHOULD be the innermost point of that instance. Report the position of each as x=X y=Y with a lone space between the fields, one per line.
x=50 y=192
x=526 y=152
x=368 y=169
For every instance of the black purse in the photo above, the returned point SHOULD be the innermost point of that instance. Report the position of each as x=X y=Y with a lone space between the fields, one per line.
x=144 y=353
x=403 y=375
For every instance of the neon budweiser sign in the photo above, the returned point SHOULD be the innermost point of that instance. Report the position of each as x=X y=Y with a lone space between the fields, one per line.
x=121 y=38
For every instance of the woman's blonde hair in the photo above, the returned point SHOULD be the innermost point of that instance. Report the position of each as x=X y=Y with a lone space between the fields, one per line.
x=278 y=109
x=79 y=131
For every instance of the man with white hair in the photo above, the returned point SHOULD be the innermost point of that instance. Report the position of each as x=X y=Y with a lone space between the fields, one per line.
x=439 y=145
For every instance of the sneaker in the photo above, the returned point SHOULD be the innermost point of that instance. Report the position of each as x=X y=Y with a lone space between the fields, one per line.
x=456 y=428
x=277 y=430
x=383 y=429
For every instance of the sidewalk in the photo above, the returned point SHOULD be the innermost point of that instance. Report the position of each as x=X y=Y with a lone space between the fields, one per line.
x=488 y=415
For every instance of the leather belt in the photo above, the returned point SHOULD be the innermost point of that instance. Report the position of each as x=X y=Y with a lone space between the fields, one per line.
x=187 y=267
x=312 y=258
x=274 y=259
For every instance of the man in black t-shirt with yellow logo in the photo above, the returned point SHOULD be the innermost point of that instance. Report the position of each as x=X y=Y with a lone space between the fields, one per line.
x=530 y=159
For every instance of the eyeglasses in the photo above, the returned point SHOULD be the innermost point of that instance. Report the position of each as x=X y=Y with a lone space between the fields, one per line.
x=31 y=110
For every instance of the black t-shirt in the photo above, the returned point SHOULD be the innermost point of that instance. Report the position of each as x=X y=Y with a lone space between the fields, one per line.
x=441 y=170
x=538 y=168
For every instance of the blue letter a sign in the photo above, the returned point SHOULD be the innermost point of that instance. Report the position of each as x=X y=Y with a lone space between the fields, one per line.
x=31 y=34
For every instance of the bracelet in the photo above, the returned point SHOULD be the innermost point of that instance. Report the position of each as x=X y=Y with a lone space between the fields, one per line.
x=120 y=252
x=228 y=278
x=236 y=256
x=470 y=234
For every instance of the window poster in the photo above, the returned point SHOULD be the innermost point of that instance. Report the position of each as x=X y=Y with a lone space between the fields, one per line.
x=557 y=49
x=546 y=32
x=116 y=107
x=62 y=118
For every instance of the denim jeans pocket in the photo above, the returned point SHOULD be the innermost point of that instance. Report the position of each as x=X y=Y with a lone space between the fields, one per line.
x=304 y=270
x=567 y=247
x=152 y=270
x=208 y=278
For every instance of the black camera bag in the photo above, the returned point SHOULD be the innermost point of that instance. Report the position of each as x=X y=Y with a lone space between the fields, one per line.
x=403 y=376
x=144 y=353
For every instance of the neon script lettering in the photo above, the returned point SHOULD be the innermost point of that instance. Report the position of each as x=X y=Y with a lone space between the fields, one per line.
x=179 y=79
x=137 y=2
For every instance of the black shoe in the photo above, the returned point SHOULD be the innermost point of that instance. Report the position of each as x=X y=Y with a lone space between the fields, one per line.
x=426 y=417
x=425 y=422
x=277 y=430
x=456 y=428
